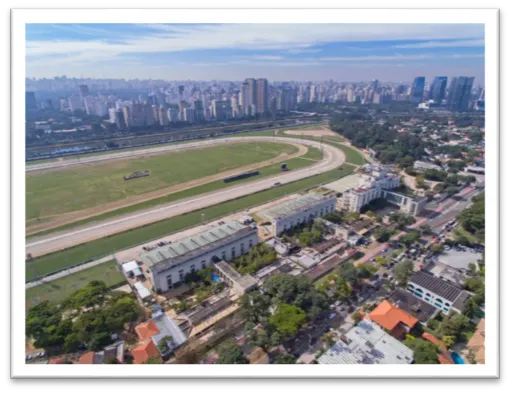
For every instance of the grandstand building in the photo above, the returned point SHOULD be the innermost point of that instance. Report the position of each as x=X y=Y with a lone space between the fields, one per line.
x=297 y=211
x=168 y=265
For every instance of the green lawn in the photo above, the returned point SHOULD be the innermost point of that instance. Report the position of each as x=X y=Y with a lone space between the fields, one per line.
x=77 y=188
x=269 y=170
x=101 y=247
x=59 y=289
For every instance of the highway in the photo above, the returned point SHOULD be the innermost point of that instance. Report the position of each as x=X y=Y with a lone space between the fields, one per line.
x=332 y=158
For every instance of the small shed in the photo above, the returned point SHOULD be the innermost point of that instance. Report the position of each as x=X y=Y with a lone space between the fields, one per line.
x=131 y=269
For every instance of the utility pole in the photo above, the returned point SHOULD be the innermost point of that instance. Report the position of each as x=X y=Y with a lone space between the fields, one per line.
x=202 y=215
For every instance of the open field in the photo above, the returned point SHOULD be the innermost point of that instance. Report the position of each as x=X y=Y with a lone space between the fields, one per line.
x=61 y=288
x=103 y=246
x=313 y=154
x=315 y=132
x=77 y=188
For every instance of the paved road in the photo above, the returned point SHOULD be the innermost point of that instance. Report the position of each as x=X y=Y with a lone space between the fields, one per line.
x=443 y=213
x=332 y=158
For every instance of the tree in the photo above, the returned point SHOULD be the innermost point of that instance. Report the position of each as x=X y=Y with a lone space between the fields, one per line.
x=403 y=271
x=356 y=316
x=254 y=307
x=382 y=234
x=401 y=219
x=288 y=319
x=425 y=228
x=284 y=358
x=410 y=238
x=45 y=325
x=454 y=325
x=349 y=273
x=333 y=217
x=165 y=344
x=437 y=248
x=424 y=352
x=342 y=288
x=91 y=294
x=230 y=353
x=366 y=270
x=449 y=341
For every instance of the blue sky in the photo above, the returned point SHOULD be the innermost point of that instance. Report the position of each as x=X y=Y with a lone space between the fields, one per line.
x=347 y=52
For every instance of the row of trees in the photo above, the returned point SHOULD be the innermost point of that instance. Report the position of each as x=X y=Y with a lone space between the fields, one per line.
x=53 y=328
x=258 y=257
x=472 y=218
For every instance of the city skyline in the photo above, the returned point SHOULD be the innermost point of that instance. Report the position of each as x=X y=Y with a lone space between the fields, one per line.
x=391 y=52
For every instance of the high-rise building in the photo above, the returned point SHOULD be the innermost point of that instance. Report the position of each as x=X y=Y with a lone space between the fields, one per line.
x=30 y=101
x=75 y=102
x=313 y=94
x=244 y=101
x=173 y=115
x=252 y=90
x=417 y=89
x=437 y=89
x=189 y=115
x=163 y=118
x=84 y=91
x=460 y=89
x=199 y=110
x=262 y=95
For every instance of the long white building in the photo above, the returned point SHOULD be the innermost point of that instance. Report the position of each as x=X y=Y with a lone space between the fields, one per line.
x=297 y=211
x=370 y=186
x=170 y=264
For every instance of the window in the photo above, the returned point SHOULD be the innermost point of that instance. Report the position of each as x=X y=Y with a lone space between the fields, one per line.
x=181 y=275
x=203 y=263
x=250 y=244
x=192 y=269
x=223 y=255
x=169 y=281
x=242 y=248
x=233 y=252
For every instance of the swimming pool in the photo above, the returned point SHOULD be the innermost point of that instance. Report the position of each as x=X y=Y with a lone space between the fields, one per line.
x=215 y=278
x=457 y=358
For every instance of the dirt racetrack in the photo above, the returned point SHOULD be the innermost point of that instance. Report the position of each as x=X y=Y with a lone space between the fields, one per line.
x=318 y=131
x=66 y=218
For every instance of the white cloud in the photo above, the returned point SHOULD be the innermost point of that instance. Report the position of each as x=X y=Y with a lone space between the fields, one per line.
x=399 y=57
x=177 y=38
x=442 y=44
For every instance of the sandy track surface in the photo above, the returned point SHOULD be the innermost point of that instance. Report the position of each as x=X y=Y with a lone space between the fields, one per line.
x=319 y=131
x=62 y=219
x=332 y=158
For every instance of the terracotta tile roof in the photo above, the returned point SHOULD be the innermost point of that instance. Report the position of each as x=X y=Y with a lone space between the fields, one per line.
x=443 y=357
x=389 y=316
x=145 y=351
x=87 y=358
x=147 y=330
x=57 y=360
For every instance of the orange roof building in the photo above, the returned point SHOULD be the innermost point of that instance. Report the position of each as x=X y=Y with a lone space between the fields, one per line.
x=144 y=352
x=443 y=357
x=392 y=318
x=87 y=358
x=147 y=330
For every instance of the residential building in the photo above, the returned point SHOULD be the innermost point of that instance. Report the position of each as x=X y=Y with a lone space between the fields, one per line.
x=407 y=204
x=459 y=94
x=393 y=319
x=433 y=290
x=297 y=211
x=240 y=284
x=144 y=352
x=423 y=166
x=163 y=117
x=159 y=327
x=252 y=92
x=168 y=265
x=417 y=89
x=437 y=89
x=476 y=344
x=367 y=343
x=262 y=98
x=411 y=304
x=75 y=103
x=114 y=351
